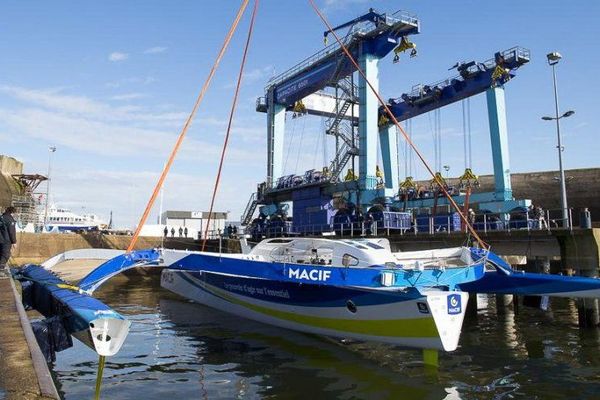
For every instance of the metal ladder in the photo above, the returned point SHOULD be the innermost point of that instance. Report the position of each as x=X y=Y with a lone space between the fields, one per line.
x=341 y=128
x=246 y=217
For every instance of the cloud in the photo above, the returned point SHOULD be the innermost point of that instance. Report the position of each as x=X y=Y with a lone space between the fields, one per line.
x=254 y=75
x=128 y=96
x=73 y=188
x=133 y=80
x=155 y=50
x=118 y=146
x=117 y=56
x=80 y=105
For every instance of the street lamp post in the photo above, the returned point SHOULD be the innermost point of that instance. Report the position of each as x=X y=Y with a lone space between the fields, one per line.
x=447 y=168
x=51 y=150
x=553 y=59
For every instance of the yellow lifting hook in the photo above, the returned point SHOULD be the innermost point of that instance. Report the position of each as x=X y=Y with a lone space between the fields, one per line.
x=404 y=45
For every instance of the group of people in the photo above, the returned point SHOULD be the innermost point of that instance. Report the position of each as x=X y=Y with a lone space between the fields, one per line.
x=8 y=238
x=537 y=214
x=231 y=231
x=183 y=231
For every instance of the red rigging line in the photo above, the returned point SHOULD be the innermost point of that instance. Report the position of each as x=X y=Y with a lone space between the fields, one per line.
x=187 y=124
x=395 y=121
x=230 y=122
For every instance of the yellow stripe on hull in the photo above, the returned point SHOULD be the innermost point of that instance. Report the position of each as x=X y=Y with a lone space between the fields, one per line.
x=411 y=327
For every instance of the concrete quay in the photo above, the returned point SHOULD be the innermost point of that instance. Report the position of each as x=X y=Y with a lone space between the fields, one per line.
x=24 y=374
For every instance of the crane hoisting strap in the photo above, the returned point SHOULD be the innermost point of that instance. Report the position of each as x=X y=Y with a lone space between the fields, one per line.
x=230 y=122
x=186 y=126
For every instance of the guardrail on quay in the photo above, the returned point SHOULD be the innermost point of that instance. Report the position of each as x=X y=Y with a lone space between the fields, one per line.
x=445 y=224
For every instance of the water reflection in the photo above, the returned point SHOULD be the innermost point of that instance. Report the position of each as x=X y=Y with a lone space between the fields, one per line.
x=182 y=349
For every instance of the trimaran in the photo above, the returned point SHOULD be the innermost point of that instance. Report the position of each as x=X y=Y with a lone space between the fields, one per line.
x=351 y=288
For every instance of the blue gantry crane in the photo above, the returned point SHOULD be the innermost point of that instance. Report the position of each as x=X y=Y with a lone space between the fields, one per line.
x=473 y=78
x=357 y=121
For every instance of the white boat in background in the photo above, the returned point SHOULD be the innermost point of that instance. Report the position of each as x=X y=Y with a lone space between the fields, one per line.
x=64 y=220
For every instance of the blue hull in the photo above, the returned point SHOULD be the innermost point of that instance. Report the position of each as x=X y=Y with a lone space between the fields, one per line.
x=505 y=280
x=326 y=275
x=298 y=294
x=88 y=319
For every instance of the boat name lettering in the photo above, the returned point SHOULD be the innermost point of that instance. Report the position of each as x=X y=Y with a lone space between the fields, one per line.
x=312 y=275
x=253 y=290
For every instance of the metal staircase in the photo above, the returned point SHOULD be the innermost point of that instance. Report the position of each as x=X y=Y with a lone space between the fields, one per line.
x=340 y=127
x=246 y=217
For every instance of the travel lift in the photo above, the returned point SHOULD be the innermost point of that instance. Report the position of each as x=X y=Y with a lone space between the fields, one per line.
x=370 y=38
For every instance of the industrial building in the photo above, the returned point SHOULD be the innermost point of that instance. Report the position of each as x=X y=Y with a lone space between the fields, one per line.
x=194 y=221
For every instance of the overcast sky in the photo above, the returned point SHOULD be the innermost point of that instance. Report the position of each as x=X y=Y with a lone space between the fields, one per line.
x=111 y=83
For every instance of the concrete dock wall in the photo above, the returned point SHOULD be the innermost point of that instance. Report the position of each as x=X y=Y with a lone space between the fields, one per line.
x=37 y=247
x=583 y=189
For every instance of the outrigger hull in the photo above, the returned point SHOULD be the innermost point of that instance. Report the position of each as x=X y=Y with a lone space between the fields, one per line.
x=530 y=284
x=406 y=318
x=88 y=319
x=505 y=280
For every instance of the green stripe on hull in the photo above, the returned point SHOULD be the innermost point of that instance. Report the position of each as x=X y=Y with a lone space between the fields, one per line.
x=408 y=328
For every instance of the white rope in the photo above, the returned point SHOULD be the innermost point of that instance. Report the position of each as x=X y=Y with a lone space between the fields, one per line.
x=289 y=146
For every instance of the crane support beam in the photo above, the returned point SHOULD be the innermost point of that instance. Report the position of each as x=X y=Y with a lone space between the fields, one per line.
x=275 y=135
x=474 y=78
x=367 y=125
x=388 y=141
x=499 y=139
x=373 y=33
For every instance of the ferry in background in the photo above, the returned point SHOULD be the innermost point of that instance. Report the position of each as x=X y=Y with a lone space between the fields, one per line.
x=64 y=220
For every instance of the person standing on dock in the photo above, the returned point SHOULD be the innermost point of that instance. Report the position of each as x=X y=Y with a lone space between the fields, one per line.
x=173 y=232
x=185 y=231
x=166 y=231
x=8 y=237
x=180 y=231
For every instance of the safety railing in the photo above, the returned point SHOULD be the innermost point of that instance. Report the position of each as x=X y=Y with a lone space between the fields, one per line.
x=447 y=224
x=513 y=54
x=533 y=220
x=307 y=62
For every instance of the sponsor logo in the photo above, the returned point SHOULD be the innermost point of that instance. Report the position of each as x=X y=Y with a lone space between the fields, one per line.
x=454 y=304
x=423 y=308
x=311 y=275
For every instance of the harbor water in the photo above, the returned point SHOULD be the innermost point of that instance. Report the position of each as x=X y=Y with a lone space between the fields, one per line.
x=184 y=350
